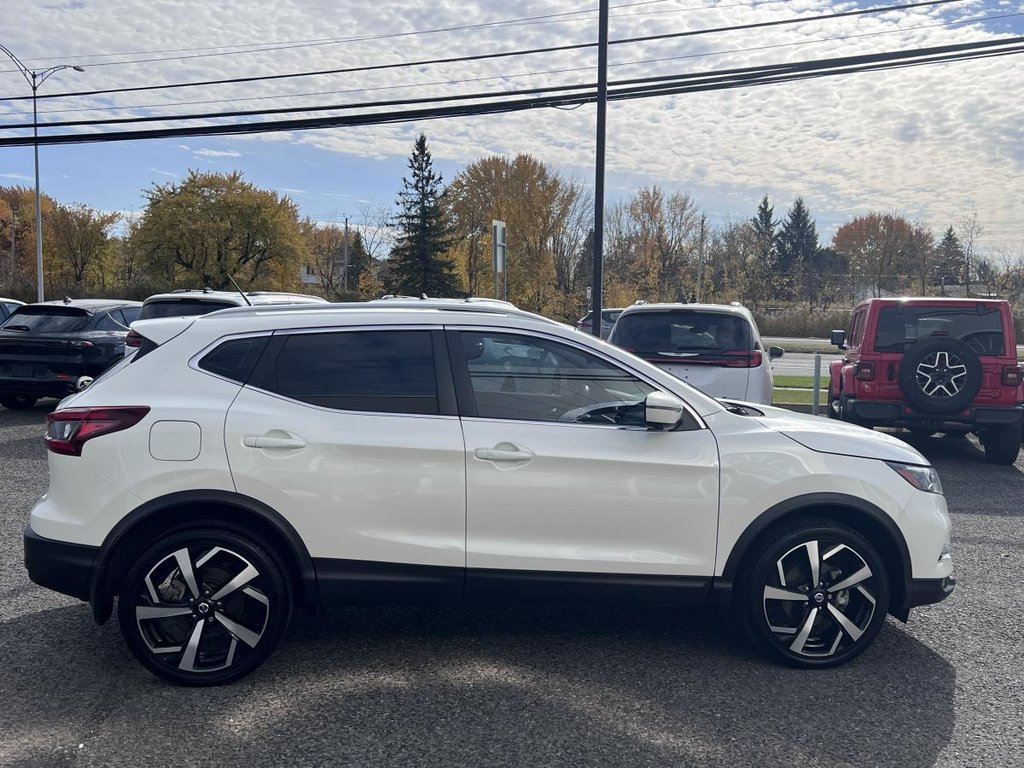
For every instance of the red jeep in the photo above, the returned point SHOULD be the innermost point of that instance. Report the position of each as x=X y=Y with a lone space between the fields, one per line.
x=932 y=365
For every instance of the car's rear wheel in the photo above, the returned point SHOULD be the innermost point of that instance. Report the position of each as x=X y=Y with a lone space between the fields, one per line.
x=815 y=595
x=1002 y=444
x=17 y=402
x=204 y=606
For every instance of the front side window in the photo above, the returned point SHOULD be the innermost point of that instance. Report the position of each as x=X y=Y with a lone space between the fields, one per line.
x=381 y=371
x=534 y=379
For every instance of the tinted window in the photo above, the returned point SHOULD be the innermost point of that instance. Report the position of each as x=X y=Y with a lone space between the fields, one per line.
x=47 y=319
x=523 y=377
x=180 y=308
x=6 y=309
x=677 y=335
x=384 y=371
x=235 y=359
x=980 y=327
x=112 y=321
x=129 y=314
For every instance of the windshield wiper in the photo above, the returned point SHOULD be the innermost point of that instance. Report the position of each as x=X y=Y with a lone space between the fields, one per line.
x=15 y=328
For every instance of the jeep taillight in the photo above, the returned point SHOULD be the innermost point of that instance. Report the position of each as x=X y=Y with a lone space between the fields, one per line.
x=67 y=431
x=1012 y=376
x=133 y=339
x=865 y=371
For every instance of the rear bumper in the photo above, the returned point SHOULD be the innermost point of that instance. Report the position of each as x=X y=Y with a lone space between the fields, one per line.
x=39 y=387
x=60 y=566
x=902 y=415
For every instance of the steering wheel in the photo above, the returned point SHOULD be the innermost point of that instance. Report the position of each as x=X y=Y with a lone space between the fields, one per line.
x=594 y=412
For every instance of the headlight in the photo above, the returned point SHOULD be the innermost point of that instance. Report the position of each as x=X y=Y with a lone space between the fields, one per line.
x=922 y=478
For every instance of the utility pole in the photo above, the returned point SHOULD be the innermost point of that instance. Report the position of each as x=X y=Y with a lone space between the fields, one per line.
x=344 y=268
x=14 y=223
x=700 y=257
x=602 y=113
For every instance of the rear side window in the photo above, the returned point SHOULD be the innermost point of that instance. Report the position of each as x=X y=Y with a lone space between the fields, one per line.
x=681 y=334
x=47 y=319
x=112 y=321
x=236 y=358
x=980 y=327
x=381 y=371
x=180 y=308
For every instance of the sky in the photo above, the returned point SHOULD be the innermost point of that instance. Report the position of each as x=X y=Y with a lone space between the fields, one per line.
x=934 y=143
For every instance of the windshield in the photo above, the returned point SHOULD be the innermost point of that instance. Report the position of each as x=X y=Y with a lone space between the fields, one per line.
x=980 y=327
x=682 y=333
x=47 y=319
x=180 y=308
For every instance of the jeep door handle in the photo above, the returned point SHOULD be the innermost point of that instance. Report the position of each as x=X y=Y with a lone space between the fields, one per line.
x=503 y=454
x=270 y=441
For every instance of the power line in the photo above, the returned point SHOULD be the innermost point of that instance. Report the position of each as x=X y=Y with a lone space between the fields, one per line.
x=496 y=55
x=901 y=30
x=682 y=84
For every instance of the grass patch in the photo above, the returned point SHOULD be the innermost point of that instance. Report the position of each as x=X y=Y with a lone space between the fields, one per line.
x=800 y=382
x=796 y=397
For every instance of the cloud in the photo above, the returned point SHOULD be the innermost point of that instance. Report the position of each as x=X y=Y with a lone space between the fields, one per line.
x=16 y=176
x=172 y=174
x=216 y=153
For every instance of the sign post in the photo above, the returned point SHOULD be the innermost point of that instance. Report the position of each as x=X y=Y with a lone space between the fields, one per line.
x=498 y=248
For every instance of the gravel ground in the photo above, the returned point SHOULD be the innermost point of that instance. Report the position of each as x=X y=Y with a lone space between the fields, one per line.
x=528 y=686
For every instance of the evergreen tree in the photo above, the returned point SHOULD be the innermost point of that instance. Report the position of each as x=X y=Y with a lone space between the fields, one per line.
x=420 y=261
x=950 y=264
x=765 y=278
x=797 y=245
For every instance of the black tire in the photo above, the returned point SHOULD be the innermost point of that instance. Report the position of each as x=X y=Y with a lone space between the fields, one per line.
x=205 y=638
x=940 y=375
x=17 y=402
x=1002 y=444
x=921 y=431
x=794 y=622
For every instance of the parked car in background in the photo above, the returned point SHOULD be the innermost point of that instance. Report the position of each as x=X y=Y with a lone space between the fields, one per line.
x=714 y=347
x=259 y=459
x=932 y=365
x=7 y=307
x=608 y=318
x=191 y=302
x=46 y=347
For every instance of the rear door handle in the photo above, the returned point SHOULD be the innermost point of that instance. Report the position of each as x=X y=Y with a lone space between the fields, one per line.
x=270 y=441
x=500 y=454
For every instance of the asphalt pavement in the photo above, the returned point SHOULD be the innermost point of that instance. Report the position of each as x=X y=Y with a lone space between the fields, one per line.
x=522 y=686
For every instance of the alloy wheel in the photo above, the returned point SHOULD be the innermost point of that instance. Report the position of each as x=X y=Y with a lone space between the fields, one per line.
x=941 y=374
x=820 y=599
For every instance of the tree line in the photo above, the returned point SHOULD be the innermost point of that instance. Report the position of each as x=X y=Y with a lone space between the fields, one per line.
x=210 y=228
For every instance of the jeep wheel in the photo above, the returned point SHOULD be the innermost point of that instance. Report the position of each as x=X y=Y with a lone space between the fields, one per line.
x=940 y=375
x=17 y=402
x=204 y=606
x=1002 y=444
x=816 y=595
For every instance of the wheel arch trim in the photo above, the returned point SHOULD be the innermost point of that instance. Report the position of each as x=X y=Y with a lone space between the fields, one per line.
x=818 y=504
x=101 y=594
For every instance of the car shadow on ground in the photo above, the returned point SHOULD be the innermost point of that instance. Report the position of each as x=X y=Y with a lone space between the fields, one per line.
x=475 y=685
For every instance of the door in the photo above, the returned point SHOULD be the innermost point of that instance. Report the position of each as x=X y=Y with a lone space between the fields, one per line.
x=567 y=490
x=353 y=437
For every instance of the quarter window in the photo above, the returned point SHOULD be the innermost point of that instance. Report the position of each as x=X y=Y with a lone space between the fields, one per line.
x=235 y=359
x=529 y=378
x=382 y=371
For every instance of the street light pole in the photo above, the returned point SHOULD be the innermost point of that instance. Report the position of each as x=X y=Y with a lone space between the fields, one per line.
x=35 y=78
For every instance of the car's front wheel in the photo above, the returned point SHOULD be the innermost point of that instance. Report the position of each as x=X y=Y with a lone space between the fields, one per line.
x=204 y=606
x=815 y=595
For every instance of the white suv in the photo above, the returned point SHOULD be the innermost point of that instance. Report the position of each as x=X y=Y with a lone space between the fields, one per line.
x=253 y=460
x=715 y=347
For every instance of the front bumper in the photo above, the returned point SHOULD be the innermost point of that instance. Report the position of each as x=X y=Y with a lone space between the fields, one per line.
x=928 y=591
x=60 y=566
x=892 y=414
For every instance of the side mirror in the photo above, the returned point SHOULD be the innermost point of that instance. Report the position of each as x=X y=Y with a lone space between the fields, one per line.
x=774 y=353
x=662 y=410
x=839 y=339
x=83 y=382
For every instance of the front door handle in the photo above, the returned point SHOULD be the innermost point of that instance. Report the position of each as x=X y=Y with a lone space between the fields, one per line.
x=273 y=441
x=503 y=454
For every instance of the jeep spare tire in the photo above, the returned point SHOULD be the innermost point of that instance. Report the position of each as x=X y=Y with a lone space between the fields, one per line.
x=940 y=375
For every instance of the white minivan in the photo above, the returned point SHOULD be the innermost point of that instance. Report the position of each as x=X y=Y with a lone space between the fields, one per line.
x=714 y=347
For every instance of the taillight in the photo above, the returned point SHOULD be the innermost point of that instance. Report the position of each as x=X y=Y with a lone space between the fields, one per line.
x=133 y=339
x=743 y=359
x=865 y=371
x=67 y=431
x=1012 y=376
